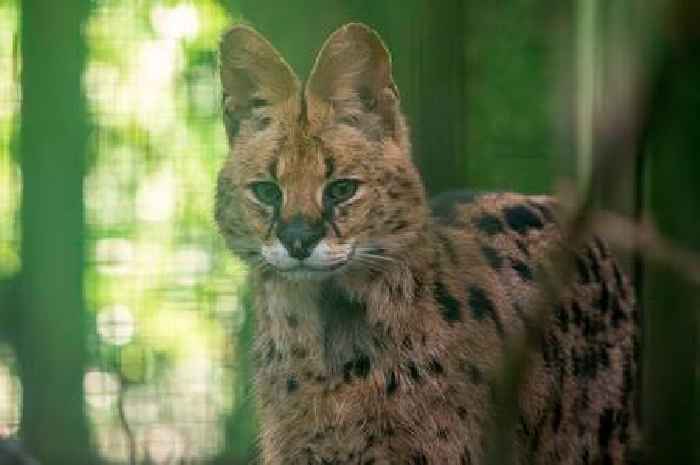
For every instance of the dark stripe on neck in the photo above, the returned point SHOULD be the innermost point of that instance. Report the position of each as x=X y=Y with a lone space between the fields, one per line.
x=329 y=161
x=272 y=168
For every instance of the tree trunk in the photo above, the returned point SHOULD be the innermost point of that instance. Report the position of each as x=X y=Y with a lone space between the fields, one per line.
x=52 y=339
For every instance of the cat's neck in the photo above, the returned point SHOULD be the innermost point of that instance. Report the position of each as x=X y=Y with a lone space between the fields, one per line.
x=345 y=317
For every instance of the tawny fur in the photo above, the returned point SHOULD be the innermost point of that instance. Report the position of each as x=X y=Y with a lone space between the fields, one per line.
x=393 y=358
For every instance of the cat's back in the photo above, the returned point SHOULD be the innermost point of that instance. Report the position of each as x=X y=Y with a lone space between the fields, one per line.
x=580 y=408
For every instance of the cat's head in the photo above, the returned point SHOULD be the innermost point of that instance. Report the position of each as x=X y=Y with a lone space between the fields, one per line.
x=319 y=178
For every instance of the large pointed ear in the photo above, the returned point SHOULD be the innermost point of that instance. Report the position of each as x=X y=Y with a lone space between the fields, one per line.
x=352 y=81
x=253 y=75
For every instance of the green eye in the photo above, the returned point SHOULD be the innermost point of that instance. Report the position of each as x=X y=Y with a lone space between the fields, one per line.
x=267 y=192
x=341 y=190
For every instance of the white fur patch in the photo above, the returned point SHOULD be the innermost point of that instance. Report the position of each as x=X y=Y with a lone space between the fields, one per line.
x=323 y=261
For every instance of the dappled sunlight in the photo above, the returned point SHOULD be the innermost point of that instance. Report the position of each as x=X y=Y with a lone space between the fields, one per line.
x=164 y=444
x=9 y=170
x=161 y=289
x=179 y=22
x=114 y=256
x=10 y=394
x=190 y=263
x=101 y=390
x=116 y=325
x=156 y=198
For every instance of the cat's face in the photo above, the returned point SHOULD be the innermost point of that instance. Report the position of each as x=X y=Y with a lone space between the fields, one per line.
x=319 y=179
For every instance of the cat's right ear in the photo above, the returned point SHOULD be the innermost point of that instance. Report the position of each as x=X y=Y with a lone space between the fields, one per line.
x=253 y=75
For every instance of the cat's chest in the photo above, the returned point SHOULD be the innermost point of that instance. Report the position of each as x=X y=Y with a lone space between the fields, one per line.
x=290 y=317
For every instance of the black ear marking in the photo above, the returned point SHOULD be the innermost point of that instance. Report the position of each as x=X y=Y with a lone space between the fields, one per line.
x=367 y=98
x=258 y=102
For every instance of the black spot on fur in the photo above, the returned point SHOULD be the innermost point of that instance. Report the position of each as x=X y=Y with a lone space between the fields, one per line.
x=617 y=315
x=448 y=247
x=299 y=352
x=586 y=456
x=292 y=321
x=605 y=427
x=462 y=413
x=619 y=281
x=604 y=356
x=562 y=318
x=523 y=270
x=329 y=161
x=413 y=370
x=442 y=433
x=585 y=363
x=392 y=383
x=347 y=371
x=544 y=210
x=358 y=367
x=489 y=224
x=578 y=314
x=521 y=219
x=595 y=265
x=603 y=303
x=362 y=366
x=583 y=273
x=475 y=374
x=482 y=306
x=449 y=306
x=491 y=255
x=419 y=459
x=556 y=416
x=399 y=226
x=292 y=384
x=435 y=367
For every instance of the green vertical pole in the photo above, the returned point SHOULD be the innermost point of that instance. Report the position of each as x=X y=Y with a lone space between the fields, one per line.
x=671 y=301
x=52 y=339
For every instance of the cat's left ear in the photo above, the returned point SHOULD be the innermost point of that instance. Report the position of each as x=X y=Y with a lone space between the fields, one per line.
x=253 y=75
x=352 y=80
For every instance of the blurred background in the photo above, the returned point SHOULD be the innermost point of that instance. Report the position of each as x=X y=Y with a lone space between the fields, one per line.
x=123 y=319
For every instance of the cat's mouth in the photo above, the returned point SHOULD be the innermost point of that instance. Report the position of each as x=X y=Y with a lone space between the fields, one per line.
x=323 y=262
x=310 y=268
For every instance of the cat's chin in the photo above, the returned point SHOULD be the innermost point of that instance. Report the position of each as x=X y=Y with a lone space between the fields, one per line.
x=308 y=273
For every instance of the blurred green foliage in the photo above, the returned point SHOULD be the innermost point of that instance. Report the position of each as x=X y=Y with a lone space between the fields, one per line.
x=161 y=290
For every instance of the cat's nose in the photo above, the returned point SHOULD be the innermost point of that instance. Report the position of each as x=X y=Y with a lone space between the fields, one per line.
x=300 y=235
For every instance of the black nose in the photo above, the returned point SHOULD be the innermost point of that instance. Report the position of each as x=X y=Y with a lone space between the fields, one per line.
x=300 y=235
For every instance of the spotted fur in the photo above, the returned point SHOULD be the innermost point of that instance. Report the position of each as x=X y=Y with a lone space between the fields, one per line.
x=390 y=356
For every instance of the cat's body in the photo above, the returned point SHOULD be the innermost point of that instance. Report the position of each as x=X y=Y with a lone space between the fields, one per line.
x=382 y=321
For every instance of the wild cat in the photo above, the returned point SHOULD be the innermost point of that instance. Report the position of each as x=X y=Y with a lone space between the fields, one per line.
x=381 y=318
